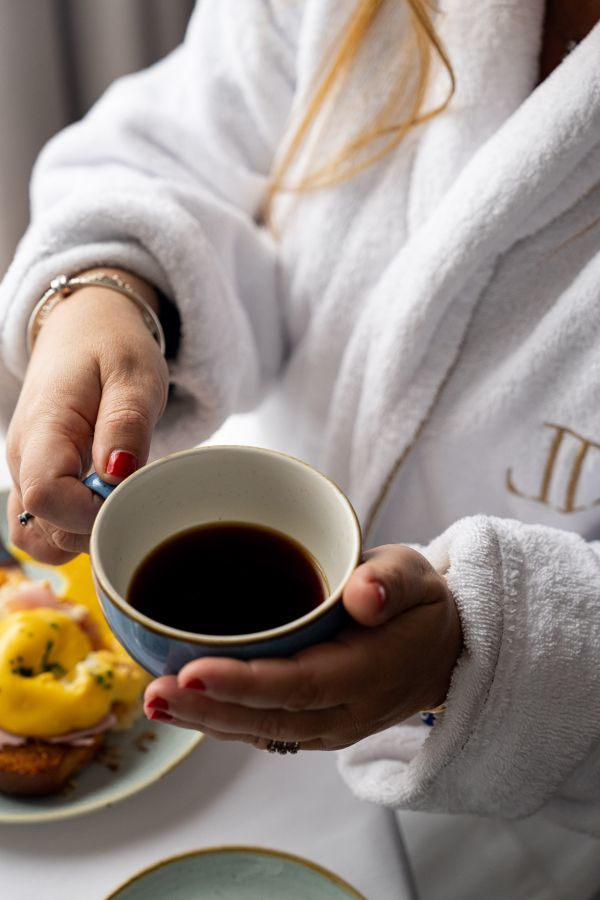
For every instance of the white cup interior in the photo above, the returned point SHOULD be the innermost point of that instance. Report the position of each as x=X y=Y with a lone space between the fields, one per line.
x=225 y=484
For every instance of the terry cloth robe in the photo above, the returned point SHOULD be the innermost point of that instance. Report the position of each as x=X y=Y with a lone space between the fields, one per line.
x=427 y=333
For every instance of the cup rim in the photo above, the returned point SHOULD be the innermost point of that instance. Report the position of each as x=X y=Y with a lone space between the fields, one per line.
x=216 y=640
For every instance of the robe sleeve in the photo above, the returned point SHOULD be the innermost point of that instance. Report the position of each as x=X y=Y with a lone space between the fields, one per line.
x=521 y=732
x=165 y=177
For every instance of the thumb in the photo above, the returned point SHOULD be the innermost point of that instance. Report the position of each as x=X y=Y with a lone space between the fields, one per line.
x=127 y=416
x=392 y=579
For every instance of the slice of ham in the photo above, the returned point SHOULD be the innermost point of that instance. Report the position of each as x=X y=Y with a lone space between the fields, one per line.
x=82 y=738
x=11 y=740
x=34 y=594
x=31 y=595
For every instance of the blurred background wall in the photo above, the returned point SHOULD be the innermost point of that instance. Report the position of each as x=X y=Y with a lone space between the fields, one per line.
x=56 y=58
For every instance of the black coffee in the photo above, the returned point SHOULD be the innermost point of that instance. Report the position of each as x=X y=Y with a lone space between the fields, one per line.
x=228 y=578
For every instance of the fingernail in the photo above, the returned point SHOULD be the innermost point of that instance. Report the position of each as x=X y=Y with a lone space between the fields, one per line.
x=121 y=463
x=195 y=684
x=157 y=703
x=159 y=716
x=381 y=595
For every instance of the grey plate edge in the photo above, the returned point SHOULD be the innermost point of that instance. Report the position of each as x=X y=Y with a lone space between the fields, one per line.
x=239 y=848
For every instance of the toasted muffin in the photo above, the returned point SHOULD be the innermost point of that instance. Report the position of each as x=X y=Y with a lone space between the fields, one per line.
x=38 y=767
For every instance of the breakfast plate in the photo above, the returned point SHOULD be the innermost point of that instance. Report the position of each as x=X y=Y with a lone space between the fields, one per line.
x=235 y=873
x=130 y=760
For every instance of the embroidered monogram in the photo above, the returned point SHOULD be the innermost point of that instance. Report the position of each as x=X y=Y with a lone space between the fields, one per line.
x=565 y=440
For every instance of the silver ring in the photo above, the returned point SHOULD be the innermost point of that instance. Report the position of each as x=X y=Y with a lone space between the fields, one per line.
x=283 y=747
x=24 y=517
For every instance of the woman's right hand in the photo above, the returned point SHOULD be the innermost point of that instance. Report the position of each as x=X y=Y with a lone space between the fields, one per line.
x=94 y=389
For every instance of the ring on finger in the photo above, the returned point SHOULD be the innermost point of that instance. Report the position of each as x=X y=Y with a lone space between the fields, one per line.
x=24 y=517
x=283 y=747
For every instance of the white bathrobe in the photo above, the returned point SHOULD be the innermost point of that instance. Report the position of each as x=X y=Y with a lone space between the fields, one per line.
x=428 y=333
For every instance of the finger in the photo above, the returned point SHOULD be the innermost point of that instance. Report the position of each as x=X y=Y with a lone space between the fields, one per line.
x=257 y=742
x=52 y=463
x=50 y=438
x=320 y=677
x=202 y=712
x=254 y=741
x=66 y=542
x=133 y=399
x=41 y=541
x=392 y=580
x=167 y=718
x=159 y=688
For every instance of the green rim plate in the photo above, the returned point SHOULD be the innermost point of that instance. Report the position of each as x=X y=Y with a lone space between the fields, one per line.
x=235 y=873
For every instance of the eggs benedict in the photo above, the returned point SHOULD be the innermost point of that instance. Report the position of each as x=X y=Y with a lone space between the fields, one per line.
x=61 y=686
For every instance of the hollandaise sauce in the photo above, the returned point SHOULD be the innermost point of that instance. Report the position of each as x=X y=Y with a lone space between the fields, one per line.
x=52 y=680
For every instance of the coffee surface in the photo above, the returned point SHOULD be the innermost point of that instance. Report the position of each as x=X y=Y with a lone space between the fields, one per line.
x=227 y=578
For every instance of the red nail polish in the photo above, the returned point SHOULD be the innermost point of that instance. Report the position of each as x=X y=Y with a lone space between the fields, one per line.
x=121 y=463
x=157 y=703
x=195 y=684
x=159 y=716
x=381 y=595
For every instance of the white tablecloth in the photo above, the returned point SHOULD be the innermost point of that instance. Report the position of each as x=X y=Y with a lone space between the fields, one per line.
x=221 y=794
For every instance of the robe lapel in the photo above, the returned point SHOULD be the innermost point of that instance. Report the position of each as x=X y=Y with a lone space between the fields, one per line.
x=409 y=335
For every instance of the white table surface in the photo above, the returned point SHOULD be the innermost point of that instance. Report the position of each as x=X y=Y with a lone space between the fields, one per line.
x=224 y=793
x=221 y=794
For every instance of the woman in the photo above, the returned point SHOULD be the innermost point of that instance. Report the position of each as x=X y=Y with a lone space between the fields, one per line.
x=418 y=317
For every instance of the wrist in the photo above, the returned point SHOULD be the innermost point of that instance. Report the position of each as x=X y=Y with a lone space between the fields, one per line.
x=106 y=284
x=146 y=290
x=448 y=653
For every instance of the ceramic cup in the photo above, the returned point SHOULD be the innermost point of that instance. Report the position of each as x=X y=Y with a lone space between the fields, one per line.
x=209 y=485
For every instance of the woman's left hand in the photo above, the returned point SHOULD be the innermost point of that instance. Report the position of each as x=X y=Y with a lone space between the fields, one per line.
x=396 y=660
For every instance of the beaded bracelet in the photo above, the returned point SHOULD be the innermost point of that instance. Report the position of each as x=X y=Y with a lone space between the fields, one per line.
x=62 y=287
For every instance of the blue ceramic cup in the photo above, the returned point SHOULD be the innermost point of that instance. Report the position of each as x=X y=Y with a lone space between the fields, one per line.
x=216 y=484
